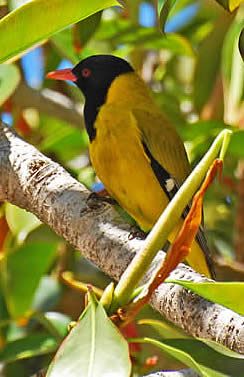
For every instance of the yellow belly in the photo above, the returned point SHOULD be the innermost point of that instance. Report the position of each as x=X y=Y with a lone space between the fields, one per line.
x=124 y=169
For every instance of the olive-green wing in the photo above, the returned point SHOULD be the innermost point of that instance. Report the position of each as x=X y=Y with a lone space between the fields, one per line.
x=169 y=162
x=163 y=142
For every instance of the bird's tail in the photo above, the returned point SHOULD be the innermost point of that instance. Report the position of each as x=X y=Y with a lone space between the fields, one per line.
x=199 y=258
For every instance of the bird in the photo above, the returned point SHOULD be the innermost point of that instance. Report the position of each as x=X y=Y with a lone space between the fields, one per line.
x=135 y=150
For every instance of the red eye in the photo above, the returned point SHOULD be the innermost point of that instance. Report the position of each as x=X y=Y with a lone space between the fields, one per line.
x=86 y=72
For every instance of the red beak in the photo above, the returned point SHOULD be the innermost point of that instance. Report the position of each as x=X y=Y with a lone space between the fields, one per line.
x=62 y=74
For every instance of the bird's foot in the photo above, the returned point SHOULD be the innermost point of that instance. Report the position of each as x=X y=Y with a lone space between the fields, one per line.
x=136 y=232
x=95 y=199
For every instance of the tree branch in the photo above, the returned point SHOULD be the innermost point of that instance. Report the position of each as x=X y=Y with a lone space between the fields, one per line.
x=32 y=181
x=49 y=102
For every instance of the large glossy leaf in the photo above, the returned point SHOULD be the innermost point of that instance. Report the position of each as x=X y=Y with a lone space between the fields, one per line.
x=21 y=272
x=94 y=347
x=9 y=79
x=227 y=294
x=39 y=19
x=198 y=356
x=30 y=346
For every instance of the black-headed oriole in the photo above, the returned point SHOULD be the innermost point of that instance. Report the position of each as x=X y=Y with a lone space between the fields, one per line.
x=134 y=149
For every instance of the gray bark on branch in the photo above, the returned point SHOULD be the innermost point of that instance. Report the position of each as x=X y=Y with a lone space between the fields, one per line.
x=32 y=181
x=49 y=102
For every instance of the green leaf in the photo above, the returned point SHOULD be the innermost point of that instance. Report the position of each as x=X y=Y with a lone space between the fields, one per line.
x=86 y=28
x=21 y=272
x=63 y=41
x=230 y=5
x=173 y=42
x=203 y=129
x=39 y=19
x=164 y=8
x=4 y=318
x=221 y=349
x=208 y=63
x=229 y=294
x=198 y=356
x=236 y=147
x=122 y=32
x=165 y=329
x=3 y=308
x=170 y=331
x=212 y=362
x=9 y=79
x=233 y=70
x=47 y=295
x=173 y=351
x=94 y=347
x=59 y=321
x=30 y=346
x=20 y=222
x=230 y=45
x=61 y=138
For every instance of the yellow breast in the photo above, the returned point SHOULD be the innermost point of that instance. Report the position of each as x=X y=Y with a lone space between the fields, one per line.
x=120 y=162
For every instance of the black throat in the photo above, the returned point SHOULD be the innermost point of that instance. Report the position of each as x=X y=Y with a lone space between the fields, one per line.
x=92 y=104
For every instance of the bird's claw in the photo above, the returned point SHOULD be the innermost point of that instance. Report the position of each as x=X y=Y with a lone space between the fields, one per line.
x=95 y=199
x=136 y=233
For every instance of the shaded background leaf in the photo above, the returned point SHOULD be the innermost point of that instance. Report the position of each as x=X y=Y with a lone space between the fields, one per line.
x=21 y=272
x=9 y=79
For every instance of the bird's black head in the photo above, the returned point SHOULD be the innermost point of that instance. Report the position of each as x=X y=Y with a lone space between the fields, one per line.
x=93 y=76
x=96 y=73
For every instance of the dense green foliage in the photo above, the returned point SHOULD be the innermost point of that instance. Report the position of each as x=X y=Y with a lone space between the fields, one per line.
x=197 y=77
